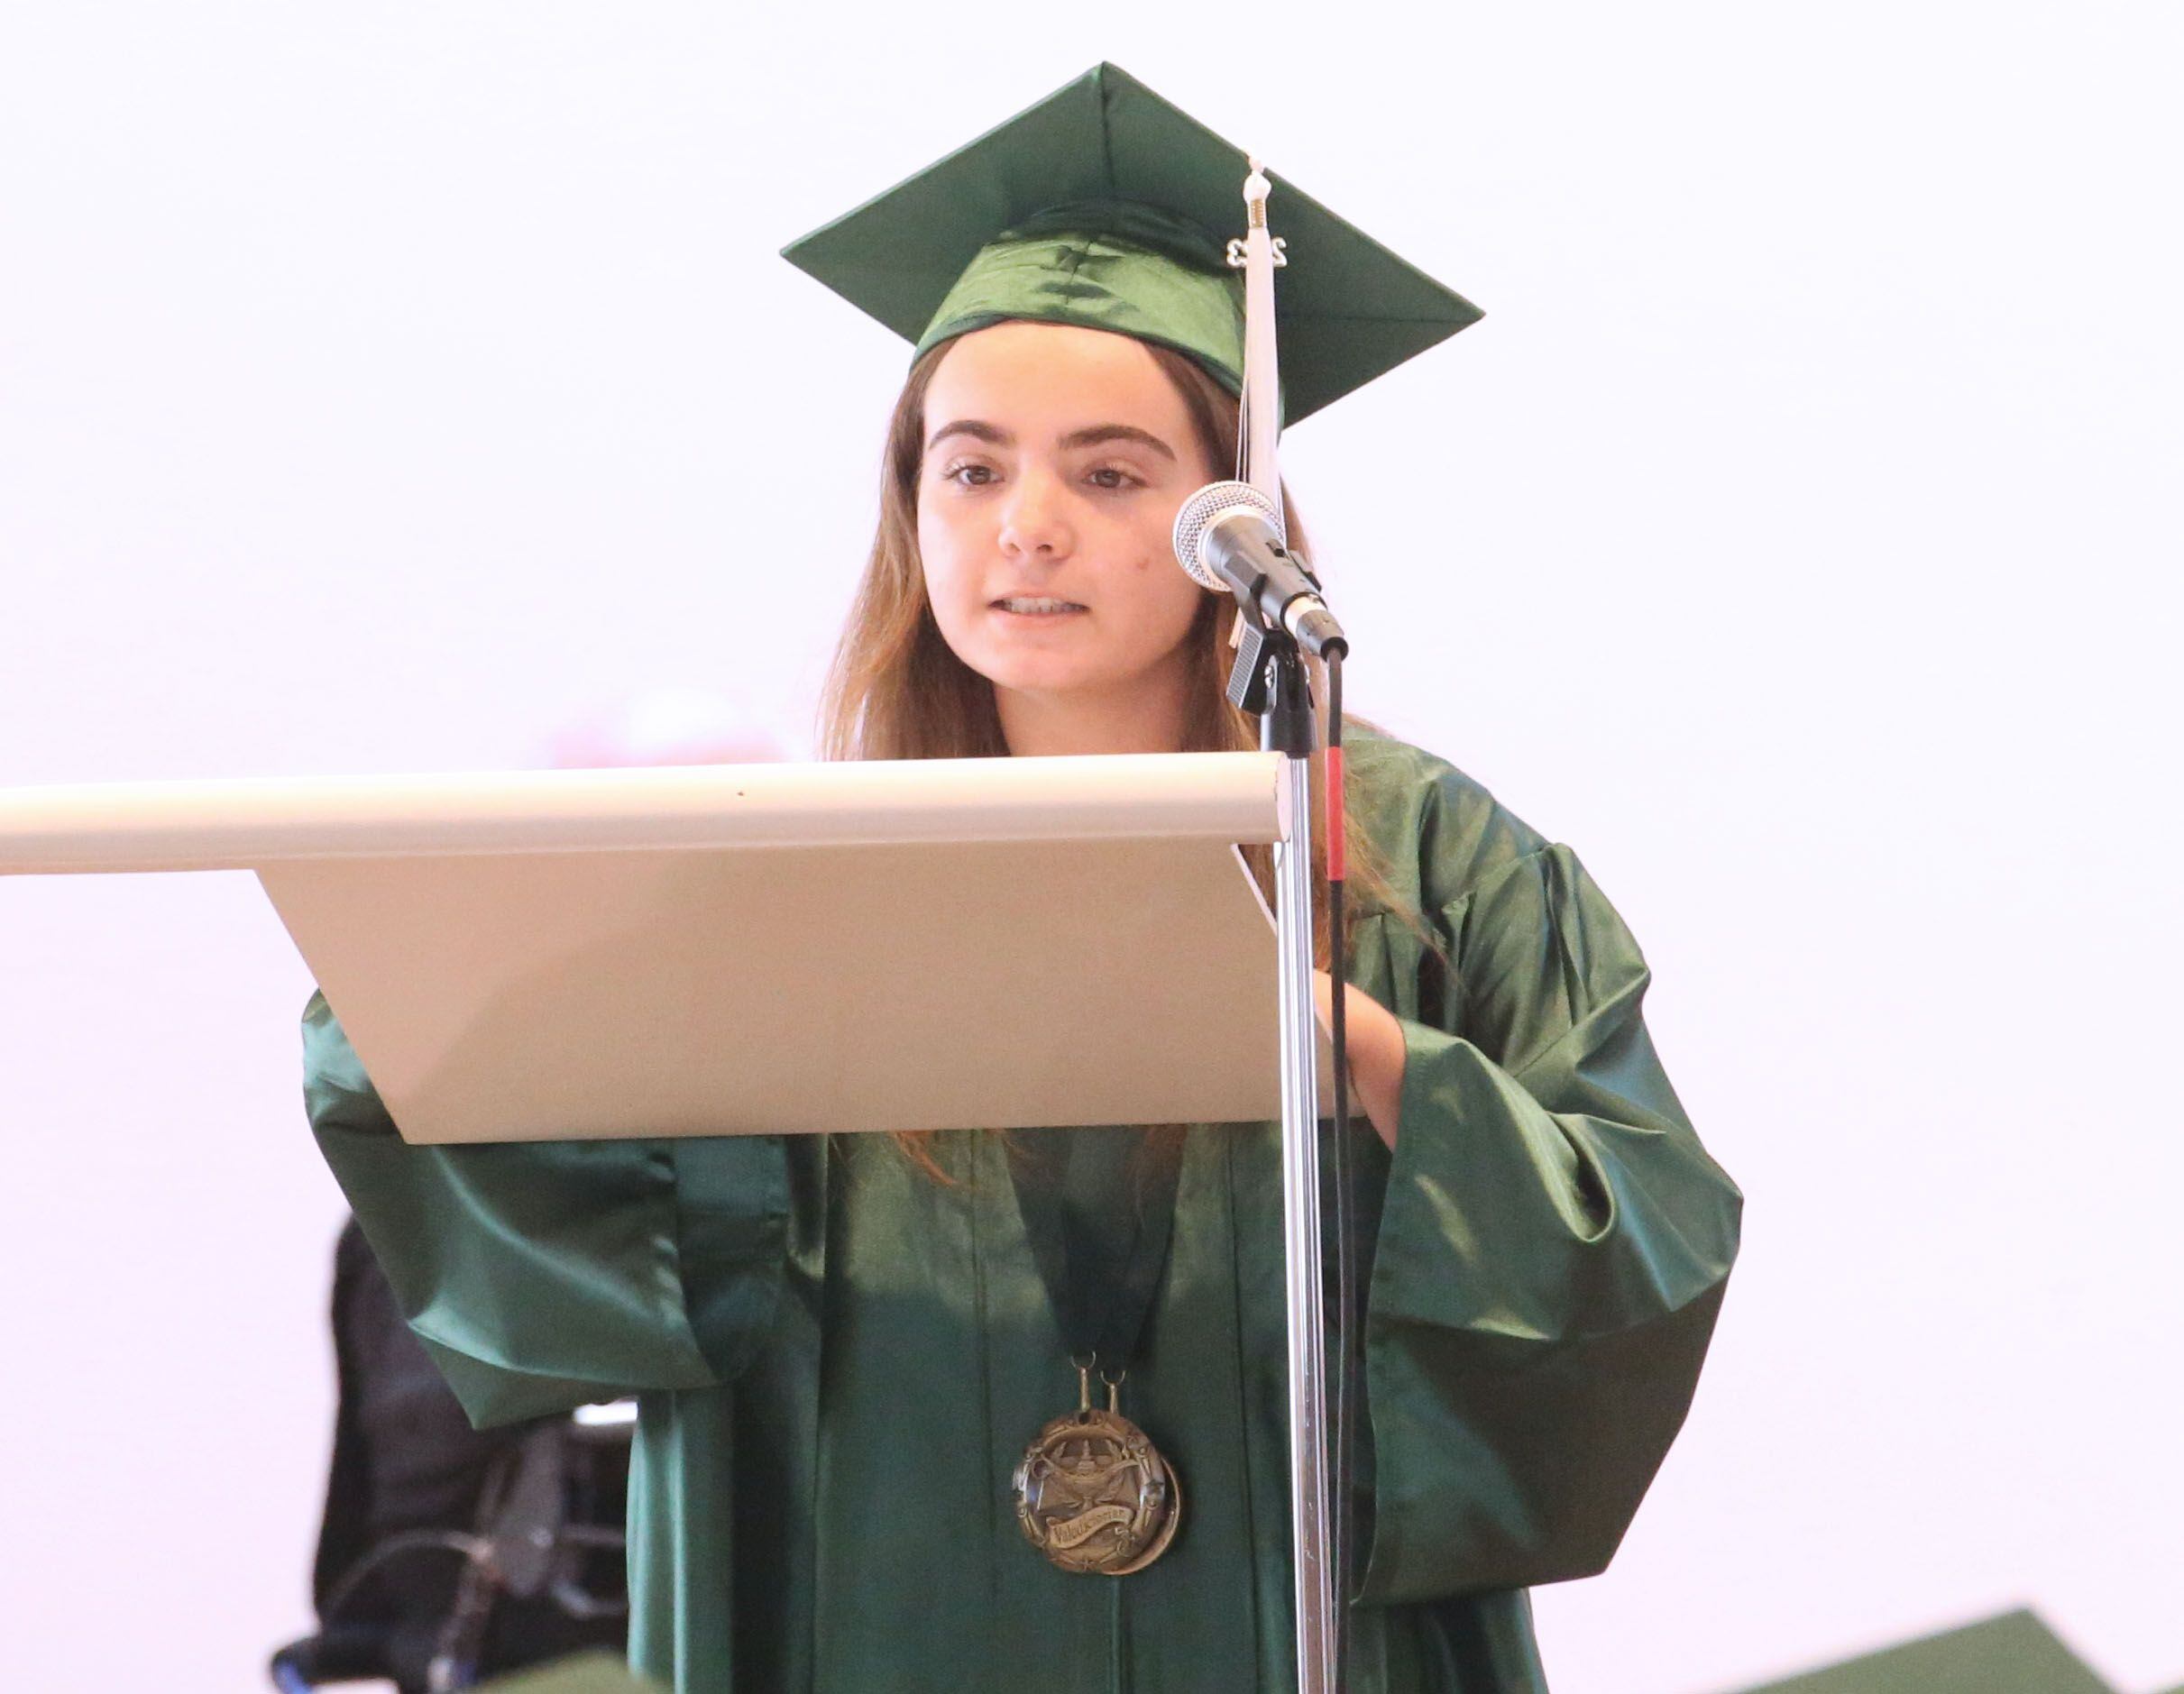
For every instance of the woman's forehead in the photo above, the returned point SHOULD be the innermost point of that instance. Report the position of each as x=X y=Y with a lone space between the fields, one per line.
x=1033 y=379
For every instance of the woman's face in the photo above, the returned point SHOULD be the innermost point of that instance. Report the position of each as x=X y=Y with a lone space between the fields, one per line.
x=1055 y=460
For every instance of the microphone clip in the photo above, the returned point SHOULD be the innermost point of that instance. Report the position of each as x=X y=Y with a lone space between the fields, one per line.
x=1268 y=680
x=1258 y=638
x=1247 y=677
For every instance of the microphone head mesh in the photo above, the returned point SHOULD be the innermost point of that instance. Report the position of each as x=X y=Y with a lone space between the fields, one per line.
x=1199 y=514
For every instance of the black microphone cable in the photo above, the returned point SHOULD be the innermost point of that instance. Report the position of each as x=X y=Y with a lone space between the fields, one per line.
x=1346 y=1397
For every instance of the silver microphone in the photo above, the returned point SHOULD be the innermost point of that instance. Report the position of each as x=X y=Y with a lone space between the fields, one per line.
x=1229 y=535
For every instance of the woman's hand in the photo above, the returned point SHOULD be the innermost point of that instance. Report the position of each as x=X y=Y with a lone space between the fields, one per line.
x=1376 y=1053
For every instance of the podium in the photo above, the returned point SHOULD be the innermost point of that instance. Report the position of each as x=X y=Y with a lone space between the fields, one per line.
x=770 y=948
x=782 y=950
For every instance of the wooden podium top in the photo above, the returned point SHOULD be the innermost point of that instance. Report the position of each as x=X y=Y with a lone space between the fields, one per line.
x=244 y=824
x=721 y=949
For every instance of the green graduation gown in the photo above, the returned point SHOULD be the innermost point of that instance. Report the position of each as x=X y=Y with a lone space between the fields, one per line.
x=839 y=1361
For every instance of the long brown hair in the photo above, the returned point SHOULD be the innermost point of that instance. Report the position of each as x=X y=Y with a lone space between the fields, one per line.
x=897 y=691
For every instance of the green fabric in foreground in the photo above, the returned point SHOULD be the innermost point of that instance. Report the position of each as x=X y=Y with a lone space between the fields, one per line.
x=838 y=1359
x=2014 y=1653
x=585 y=1673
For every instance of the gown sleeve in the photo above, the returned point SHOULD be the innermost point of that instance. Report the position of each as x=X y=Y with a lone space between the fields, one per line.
x=546 y=1275
x=1552 y=1246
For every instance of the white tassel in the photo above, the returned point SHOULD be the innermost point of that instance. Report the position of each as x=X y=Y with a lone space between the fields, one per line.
x=1262 y=371
x=1257 y=255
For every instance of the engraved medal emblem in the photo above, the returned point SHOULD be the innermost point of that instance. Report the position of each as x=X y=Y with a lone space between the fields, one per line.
x=1094 y=1494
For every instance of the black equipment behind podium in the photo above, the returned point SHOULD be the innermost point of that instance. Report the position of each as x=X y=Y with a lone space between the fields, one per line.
x=448 y=1554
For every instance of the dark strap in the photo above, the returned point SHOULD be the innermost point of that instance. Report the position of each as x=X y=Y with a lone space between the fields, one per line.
x=1099 y=1208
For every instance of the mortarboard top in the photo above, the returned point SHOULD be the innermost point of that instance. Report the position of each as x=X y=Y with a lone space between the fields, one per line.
x=1105 y=205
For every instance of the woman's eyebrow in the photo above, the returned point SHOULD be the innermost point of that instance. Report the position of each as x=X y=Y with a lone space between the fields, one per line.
x=972 y=428
x=1099 y=432
x=1092 y=436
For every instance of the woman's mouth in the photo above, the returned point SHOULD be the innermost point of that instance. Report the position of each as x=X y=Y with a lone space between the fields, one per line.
x=1037 y=606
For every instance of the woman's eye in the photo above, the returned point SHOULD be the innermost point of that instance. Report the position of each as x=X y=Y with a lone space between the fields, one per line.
x=971 y=474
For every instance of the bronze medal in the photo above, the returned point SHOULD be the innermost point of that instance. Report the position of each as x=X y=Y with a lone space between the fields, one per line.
x=1094 y=1494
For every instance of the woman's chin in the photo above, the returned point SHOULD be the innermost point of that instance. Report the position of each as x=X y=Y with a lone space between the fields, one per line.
x=1036 y=682
x=1063 y=675
x=1048 y=673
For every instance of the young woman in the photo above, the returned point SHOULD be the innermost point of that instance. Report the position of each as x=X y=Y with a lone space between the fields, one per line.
x=842 y=1345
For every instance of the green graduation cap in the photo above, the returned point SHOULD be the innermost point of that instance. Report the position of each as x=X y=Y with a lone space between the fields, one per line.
x=1105 y=207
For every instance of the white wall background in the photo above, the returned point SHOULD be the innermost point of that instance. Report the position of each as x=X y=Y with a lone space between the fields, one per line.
x=383 y=387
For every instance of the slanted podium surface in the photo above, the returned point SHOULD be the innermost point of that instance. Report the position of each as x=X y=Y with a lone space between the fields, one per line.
x=754 y=949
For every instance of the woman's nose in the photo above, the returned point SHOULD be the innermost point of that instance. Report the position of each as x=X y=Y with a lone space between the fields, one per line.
x=1033 y=521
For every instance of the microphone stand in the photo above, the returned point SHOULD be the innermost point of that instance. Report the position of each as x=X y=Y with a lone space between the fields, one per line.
x=1270 y=679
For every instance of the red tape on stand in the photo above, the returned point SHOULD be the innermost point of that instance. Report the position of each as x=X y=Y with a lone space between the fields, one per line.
x=1338 y=839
